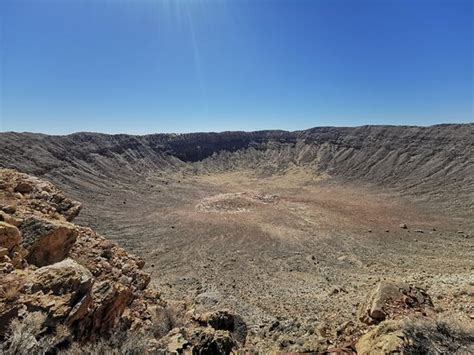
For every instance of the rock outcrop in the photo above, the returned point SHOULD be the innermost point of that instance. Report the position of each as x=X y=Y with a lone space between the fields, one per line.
x=61 y=290
x=9 y=236
x=390 y=299
x=403 y=321
x=72 y=277
x=47 y=241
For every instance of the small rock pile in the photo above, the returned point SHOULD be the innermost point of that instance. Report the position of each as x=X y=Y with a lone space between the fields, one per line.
x=238 y=202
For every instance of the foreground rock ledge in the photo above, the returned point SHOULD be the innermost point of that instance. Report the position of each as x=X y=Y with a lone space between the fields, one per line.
x=63 y=286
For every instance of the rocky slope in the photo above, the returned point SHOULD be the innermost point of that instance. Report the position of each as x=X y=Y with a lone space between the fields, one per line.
x=62 y=285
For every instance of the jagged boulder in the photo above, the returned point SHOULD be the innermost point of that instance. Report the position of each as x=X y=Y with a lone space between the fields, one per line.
x=10 y=219
x=106 y=260
x=209 y=341
x=109 y=302
x=220 y=320
x=391 y=298
x=9 y=236
x=47 y=241
x=8 y=209
x=66 y=207
x=23 y=187
x=61 y=290
x=225 y=320
x=175 y=342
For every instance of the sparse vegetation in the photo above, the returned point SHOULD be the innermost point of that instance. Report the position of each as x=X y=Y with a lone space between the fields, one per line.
x=165 y=319
x=120 y=343
x=445 y=336
x=30 y=336
x=9 y=291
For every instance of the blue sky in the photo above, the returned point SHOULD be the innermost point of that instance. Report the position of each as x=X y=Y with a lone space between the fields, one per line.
x=146 y=66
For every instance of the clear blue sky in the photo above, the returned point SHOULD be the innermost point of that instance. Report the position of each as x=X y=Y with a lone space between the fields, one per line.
x=182 y=65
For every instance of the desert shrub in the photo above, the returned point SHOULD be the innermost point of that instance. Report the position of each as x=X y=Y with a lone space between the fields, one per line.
x=22 y=334
x=162 y=322
x=166 y=318
x=29 y=336
x=10 y=291
x=444 y=336
x=121 y=343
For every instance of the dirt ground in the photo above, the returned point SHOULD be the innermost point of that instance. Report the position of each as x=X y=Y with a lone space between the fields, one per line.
x=295 y=248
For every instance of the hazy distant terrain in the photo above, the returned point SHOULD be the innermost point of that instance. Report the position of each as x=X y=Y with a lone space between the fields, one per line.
x=287 y=226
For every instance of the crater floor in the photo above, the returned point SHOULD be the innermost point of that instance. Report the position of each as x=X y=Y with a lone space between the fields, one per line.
x=293 y=246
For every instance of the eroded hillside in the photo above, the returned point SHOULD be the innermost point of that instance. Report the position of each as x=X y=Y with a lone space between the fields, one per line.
x=417 y=159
